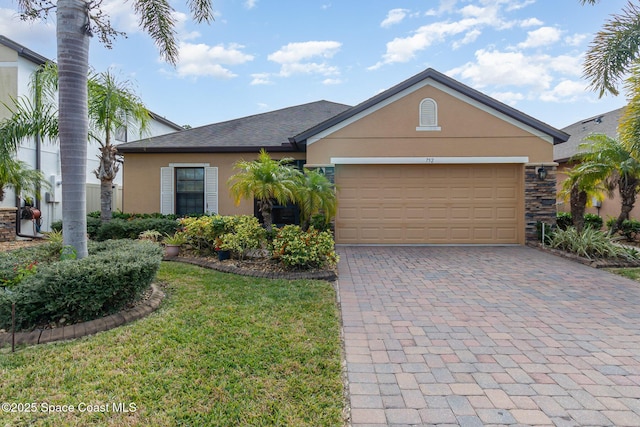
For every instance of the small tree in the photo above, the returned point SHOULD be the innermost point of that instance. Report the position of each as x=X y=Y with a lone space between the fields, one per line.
x=579 y=188
x=606 y=160
x=315 y=194
x=112 y=106
x=265 y=180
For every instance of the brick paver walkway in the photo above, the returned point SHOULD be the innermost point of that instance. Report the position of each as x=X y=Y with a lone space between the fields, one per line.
x=475 y=336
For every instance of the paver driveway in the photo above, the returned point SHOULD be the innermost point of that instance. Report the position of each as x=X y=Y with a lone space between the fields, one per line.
x=487 y=336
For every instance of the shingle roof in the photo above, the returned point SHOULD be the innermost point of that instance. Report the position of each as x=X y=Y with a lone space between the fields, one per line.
x=269 y=130
x=430 y=73
x=606 y=123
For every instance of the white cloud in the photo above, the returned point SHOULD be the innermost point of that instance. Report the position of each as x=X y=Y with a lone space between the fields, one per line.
x=540 y=77
x=331 y=82
x=474 y=18
x=470 y=37
x=543 y=36
x=250 y=4
x=204 y=60
x=302 y=58
x=506 y=68
x=296 y=52
x=394 y=16
x=576 y=39
x=261 y=79
x=510 y=98
x=27 y=33
x=123 y=18
x=531 y=22
x=565 y=91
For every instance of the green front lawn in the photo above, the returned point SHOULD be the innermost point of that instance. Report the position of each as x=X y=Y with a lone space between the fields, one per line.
x=223 y=350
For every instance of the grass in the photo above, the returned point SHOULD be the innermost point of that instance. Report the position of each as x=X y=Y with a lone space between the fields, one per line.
x=631 y=273
x=222 y=350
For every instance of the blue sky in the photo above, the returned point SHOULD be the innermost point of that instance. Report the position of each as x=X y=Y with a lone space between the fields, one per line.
x=262 y=55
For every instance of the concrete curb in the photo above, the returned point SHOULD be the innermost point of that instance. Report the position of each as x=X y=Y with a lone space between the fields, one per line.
x=41 y=336
x=329 y=276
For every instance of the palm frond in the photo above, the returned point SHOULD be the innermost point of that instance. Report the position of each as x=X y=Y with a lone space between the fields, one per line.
x=157 y=19
x=613 y=50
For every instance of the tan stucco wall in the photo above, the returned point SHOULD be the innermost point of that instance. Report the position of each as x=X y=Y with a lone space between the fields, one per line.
x=465 y=131
x=141 y=174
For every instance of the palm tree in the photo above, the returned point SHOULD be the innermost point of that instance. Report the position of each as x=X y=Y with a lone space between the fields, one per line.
x=112 y=105
x=315 y=194
x=36 y=118
x=19 y=175
x=605 y=159
x=613 y=50
x=579 y=188
x=265 y=180
x=73 y=30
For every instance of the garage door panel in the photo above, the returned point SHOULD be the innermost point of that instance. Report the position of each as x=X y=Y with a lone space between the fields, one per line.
x=429 y=204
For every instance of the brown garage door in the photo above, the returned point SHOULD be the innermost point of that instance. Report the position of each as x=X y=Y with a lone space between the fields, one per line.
x=439 y=204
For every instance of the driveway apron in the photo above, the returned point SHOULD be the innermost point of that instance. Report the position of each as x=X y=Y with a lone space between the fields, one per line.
x=476 y=336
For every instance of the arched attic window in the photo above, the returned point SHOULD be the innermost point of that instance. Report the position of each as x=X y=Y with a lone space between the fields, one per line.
x=428 y=115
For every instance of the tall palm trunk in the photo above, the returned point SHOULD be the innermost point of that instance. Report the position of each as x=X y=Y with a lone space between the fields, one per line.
x=106 y=173
x=628 y=188
x=73 y=67
x=578 y=201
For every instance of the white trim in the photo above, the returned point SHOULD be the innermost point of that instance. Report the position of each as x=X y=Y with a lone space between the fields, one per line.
x=189 y=165
x=439 y=86
x=428 y=128
x=426 y=160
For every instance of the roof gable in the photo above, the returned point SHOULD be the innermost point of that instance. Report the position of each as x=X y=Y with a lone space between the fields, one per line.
x=269 y=130
x=444 y=83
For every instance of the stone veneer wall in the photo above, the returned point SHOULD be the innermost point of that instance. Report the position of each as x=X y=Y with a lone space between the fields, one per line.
x=539 y=199
x=7 y=224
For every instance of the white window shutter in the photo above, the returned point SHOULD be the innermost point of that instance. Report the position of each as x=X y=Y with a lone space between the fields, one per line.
x=428 y=113
x=211 y=190
x=166 y=191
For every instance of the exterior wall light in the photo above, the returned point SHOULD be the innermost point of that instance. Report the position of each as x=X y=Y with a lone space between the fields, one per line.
x=542 y=173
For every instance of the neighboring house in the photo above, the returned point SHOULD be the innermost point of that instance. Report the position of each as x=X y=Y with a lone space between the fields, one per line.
x=428 y=161
x=606 y=123
x=17 y=65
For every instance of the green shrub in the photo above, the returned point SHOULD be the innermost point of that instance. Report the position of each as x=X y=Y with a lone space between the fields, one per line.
x=203 y=232
x=298 y=249
x=593 y=221
x=93 y=224
x=630 y=228
x=590 y=243
x=114 y=274
x=564 y=220
x=131 y=229
x=247 y=234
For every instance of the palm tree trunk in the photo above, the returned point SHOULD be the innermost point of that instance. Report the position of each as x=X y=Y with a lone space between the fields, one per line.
x=628 y=191
x=106 y=197
x=73 y=66
x=578 y=202
x=266 y=209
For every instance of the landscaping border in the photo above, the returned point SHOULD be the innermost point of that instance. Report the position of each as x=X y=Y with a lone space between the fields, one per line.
x=78 y=330
x=595 y=263
x=328 y=275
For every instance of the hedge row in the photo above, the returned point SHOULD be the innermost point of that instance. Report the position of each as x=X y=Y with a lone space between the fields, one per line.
x=114 y=274
x=124 y=229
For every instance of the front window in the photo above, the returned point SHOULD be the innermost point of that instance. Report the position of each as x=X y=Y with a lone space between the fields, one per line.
x=189 y=190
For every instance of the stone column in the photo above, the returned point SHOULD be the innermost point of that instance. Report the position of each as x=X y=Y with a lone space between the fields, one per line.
x=539 y=198
x=8 y=224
